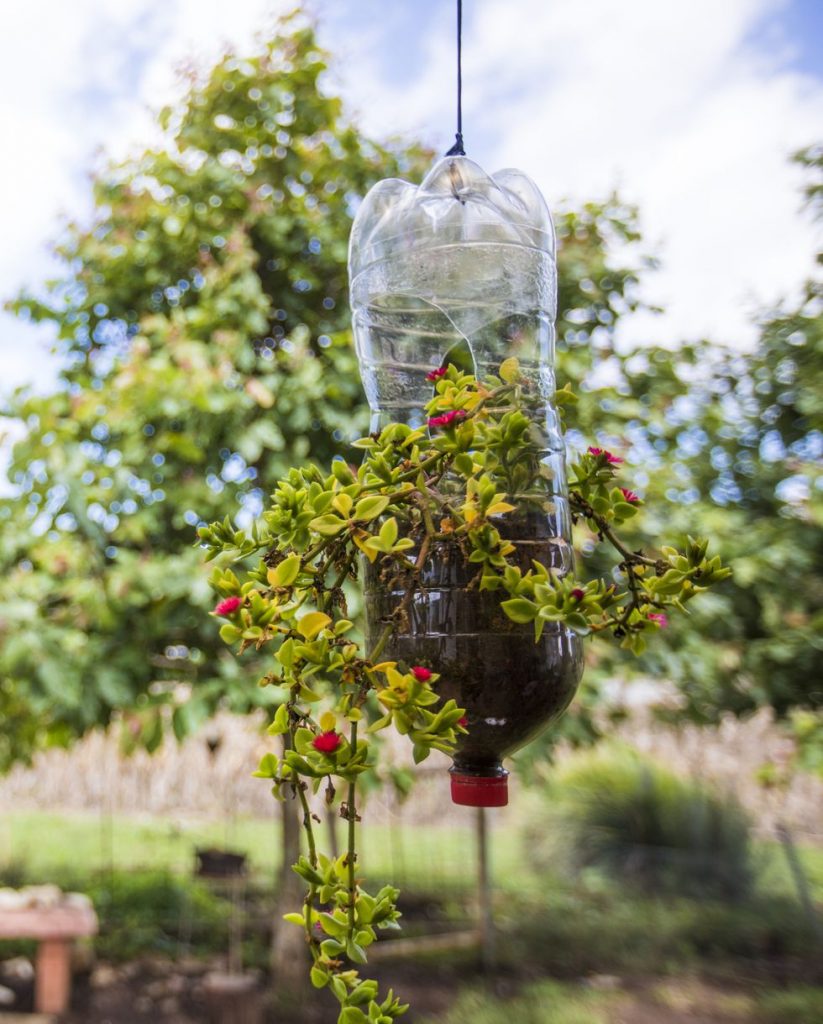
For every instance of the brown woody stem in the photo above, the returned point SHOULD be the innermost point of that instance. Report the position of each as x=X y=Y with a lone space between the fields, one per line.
x=351 y=854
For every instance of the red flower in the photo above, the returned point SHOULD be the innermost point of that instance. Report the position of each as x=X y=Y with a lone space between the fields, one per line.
x=578 y=594
x=629 y=496
x=422 y=675
x=613 y=459
x=463 y=722
x=436 y=374
x=659 y=618
x=448 y=418
x=228 y=606
x=327 y=742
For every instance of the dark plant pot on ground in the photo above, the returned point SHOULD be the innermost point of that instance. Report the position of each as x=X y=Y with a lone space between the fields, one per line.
x=214 y=863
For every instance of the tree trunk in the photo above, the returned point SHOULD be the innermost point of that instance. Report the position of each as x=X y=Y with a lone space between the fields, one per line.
x=289 y=955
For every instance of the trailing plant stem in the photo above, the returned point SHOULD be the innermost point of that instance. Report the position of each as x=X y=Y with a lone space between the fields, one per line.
x=307 y=824
x=351 y=853
x=605 y=531
x=308 y=901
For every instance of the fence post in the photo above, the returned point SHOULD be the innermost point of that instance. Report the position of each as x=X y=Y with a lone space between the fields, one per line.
x=488 y=945
x=800 y=881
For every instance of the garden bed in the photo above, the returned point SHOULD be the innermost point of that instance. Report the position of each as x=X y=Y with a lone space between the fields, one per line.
x=443 y=992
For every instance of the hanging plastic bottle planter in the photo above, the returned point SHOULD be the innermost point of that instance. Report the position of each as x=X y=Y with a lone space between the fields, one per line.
x=468 y=260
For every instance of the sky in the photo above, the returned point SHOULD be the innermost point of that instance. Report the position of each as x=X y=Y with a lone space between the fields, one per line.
x=689 y=110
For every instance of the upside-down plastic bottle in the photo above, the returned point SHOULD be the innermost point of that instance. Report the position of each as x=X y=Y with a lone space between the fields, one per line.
x=469 y=259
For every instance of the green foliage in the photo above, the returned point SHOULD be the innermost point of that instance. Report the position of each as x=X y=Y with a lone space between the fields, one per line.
x=807 y=727
x=609 y=928
x=547 y=923
x=732 y=441
x=645 y=826
x=546 y=1003
x=801 y=1005
x=141 y=913
x=432 y=858
x=150 y=912
x=202 y=320
x=747 y=452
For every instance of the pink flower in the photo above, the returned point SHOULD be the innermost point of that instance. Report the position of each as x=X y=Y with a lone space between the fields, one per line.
x=578 y=594
x=659 y=618
x=436 y=374
x=228 y=606
x=448 y=418
x=612 y=459
x=422 y=675
x=327 y=742
x=629 y=496
x=463 y=722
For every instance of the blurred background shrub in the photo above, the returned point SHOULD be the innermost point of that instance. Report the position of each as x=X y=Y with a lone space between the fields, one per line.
x=645 y=826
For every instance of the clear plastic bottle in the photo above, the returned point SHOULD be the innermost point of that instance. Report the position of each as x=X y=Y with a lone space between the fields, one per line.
x=468 y=259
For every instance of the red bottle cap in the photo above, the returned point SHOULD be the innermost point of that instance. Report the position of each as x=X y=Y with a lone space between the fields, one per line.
x=480 y=790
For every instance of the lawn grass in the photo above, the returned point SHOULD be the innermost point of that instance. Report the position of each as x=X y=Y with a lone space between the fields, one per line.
x=774 y=873
x=552 y=1002
x=548 y=1002
x=42 y=843
x=138 y=873
x=800 y=1005
x=38 y=844
x=415 y=856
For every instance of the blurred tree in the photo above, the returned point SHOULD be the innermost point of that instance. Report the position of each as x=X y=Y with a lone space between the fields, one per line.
x=743 y=445
x=728 y=444
x=735 y=441
x=202 y=320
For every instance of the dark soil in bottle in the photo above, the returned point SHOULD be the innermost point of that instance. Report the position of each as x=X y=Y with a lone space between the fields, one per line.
x=512 y=688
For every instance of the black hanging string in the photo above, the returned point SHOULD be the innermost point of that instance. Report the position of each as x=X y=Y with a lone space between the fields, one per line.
x=457 y=148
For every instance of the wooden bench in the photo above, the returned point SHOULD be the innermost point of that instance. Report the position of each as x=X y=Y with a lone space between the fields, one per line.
x=55 y=929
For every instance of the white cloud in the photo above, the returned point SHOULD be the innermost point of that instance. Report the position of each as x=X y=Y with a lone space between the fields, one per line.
x=76 y=79
x=681 y=107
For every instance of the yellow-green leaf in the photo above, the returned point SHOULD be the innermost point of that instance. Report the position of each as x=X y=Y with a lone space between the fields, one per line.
x=370 y=508
x=370 y=547
x=284 y=574
x=328 y=525
x=519 y=609
x=310 y=696
x=310 y=625
x=267 y=768
x=388 y=532
x=343 y=504
x=510 y=369
x=281 y=721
